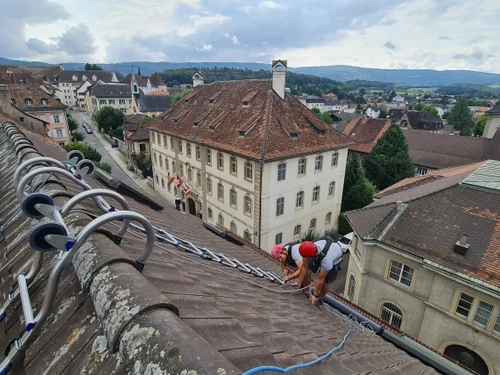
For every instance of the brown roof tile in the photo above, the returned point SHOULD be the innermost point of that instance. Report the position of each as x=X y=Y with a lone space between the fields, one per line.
x=366 y=132
x=20 y=92
x=237 y=103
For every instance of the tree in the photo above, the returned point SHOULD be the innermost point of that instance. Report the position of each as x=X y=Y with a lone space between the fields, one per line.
x=383 y=112
x=358 y=191
x=109 y=118
x=144 y=164
x=479 y=125
x=92 y=67
x=77 y=136
x=391 y=96
x=389 y=161
x=430 y=109
x=106 y=167
x=180 y=95
x=72 y=123
x=461 y=117
x=89 y=152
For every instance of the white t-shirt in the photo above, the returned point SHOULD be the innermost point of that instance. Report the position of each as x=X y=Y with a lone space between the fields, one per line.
x=332 y=257
x=295 y=254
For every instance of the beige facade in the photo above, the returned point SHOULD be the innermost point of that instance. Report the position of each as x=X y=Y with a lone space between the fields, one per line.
x=255 y=201
x=437 y=305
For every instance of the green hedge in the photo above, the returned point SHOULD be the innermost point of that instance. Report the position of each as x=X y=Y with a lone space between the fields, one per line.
x=344 y=226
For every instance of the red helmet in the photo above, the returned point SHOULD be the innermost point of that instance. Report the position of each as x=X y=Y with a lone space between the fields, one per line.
x=307 y=249
x=276 y=251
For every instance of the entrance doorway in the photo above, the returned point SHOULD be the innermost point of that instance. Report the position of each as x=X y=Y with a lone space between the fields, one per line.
x=192 y=206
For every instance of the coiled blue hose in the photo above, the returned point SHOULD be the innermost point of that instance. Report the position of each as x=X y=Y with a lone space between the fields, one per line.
x=256 y=370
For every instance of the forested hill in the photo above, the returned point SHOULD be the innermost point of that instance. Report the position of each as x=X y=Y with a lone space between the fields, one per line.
x=298 y=83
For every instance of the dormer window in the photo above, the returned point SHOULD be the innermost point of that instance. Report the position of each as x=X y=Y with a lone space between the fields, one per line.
x=94 y=78
x=28 y=101
x=247 y=99
x=84 y=77
x=74 y=77
x=13 y=101
x=45 y=101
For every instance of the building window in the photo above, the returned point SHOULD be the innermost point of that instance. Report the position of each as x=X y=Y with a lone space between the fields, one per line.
x=157 y=179
x=299 y=201
x=248 y=205
x=315 y=194
x=297 y=230
x=44 y=101
x=142 y=147
x=248 y=171
x=232 y=197
x=234 y=165
x=247 y=236
x=335 y=158
x=158 y=137
x=28 y=101
x=181 y=169
x=56 y=119
x=391 y=314
x=220 y=161
x=209 y=186
x=220 y=192
x=351 y=289
x=279 y=238
x=121 y=101
x=111 y=101
x=172 y=143
x=163 y=182
x=421 y=171
x=318 y=163
x=190 y=174
x=180 y=146
x=280 y=206
x=312 y=224
x=102 y=101
x=328 y=218
x=161 y=162
x=210 y=215
x=169 y=188
x=152 y=136
x=188 y=150
x=483 y=313
x=209 y=157
x=464 y=305
x=198 y=178
x=155 y=158
x=198 y=153
x=281 y=171
x=59 y=133
x=331 y=189
x=302 y=167
x=165 y=143
x=233 y=227
x=496 y=327
x=166 y=163
x=401 y=273
x=220 y=220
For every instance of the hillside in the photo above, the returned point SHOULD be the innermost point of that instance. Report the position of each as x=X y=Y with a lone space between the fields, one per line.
x=342 y=73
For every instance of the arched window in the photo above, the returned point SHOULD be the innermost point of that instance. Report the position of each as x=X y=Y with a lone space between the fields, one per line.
x=157 y=179
x=468 y=358
x=351 y=289
x=28 y=101
x=221 y=219
x=391 y=314
x=233 y=227
x=45 y=101
x=162 y=183
x=13 y=101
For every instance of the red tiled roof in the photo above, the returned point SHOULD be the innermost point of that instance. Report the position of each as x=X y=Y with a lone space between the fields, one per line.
x=366 y=132
x=20 y=92
x=226 y=107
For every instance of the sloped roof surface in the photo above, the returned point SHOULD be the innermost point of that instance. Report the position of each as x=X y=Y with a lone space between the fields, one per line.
x=366 y=132
x=20 y=92
x=224 y=324
x=103 y=75
x=223 y=116
x=112 y=90
x=154 y=103
x=346 y=116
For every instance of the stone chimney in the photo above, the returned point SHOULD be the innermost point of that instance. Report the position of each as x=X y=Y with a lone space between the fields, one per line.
x=198 y=79
x=5 y=105
x=279 y=75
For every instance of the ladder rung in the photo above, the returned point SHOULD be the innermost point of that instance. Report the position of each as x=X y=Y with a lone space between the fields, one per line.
x=26 y=302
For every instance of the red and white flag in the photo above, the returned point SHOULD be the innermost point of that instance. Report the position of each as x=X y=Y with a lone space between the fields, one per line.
x=187 y=188
x=179 y=182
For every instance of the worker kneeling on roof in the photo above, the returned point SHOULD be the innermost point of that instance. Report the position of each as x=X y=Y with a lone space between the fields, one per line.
x=325 y=255
x=288 y=255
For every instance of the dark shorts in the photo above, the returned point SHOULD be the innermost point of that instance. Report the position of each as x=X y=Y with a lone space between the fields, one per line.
x=332 y=274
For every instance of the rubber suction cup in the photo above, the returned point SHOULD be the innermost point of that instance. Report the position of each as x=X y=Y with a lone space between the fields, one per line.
x=86 y=164
x=28 y=205
x=39 y=231
x=75 y=156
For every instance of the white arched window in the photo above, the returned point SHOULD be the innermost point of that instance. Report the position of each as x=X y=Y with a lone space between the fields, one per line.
x=351 y=289
x=391 y=314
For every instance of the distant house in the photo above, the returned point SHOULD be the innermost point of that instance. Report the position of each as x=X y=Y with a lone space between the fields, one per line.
x=136 y=139
x=332 y=105
x=330 y=96
x=398 y=99
x=70 y=80
x=416 y=120
x=492 y=123
x=117 y=95
x=424 y=259
x=372 y=111
x=147 y=84
x=153 y=105
x=312 y=101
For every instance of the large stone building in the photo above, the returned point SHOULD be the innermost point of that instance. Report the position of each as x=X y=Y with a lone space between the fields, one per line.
x=425 y=258
x=70 y=80
x=116 y=95
x=147 y=84
x=258 y=161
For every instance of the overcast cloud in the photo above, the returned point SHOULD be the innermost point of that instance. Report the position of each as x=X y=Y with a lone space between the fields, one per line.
x=434 y=34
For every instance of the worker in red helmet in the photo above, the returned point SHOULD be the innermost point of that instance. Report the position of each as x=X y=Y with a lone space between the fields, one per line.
x=289 y=257
x=324 y=255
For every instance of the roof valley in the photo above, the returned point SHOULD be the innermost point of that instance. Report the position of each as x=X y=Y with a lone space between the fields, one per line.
x=268 y=119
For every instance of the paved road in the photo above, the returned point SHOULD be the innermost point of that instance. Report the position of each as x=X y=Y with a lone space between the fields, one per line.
x=103 y=146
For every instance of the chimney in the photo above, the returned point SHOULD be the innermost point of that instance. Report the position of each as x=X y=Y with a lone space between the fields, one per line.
x=197 y=79
x=61 y=66
x=5 y=105
x=279 y=75
x=461 y=245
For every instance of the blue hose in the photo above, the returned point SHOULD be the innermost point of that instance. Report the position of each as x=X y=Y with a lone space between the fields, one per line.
x=256 y=370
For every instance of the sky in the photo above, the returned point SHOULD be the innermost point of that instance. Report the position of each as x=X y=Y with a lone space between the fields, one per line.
x=416 y=34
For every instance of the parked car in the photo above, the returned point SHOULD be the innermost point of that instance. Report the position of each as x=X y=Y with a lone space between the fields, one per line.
x=114 y=144
x=345 y=242
x=88 y=130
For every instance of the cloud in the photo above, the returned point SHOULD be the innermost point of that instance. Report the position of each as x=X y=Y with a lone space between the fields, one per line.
x=444 y=37
x=39 y=46
x=206 y=47
x=234 y=39
x=474 y=55
x=78 y=40
x=390 y=45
